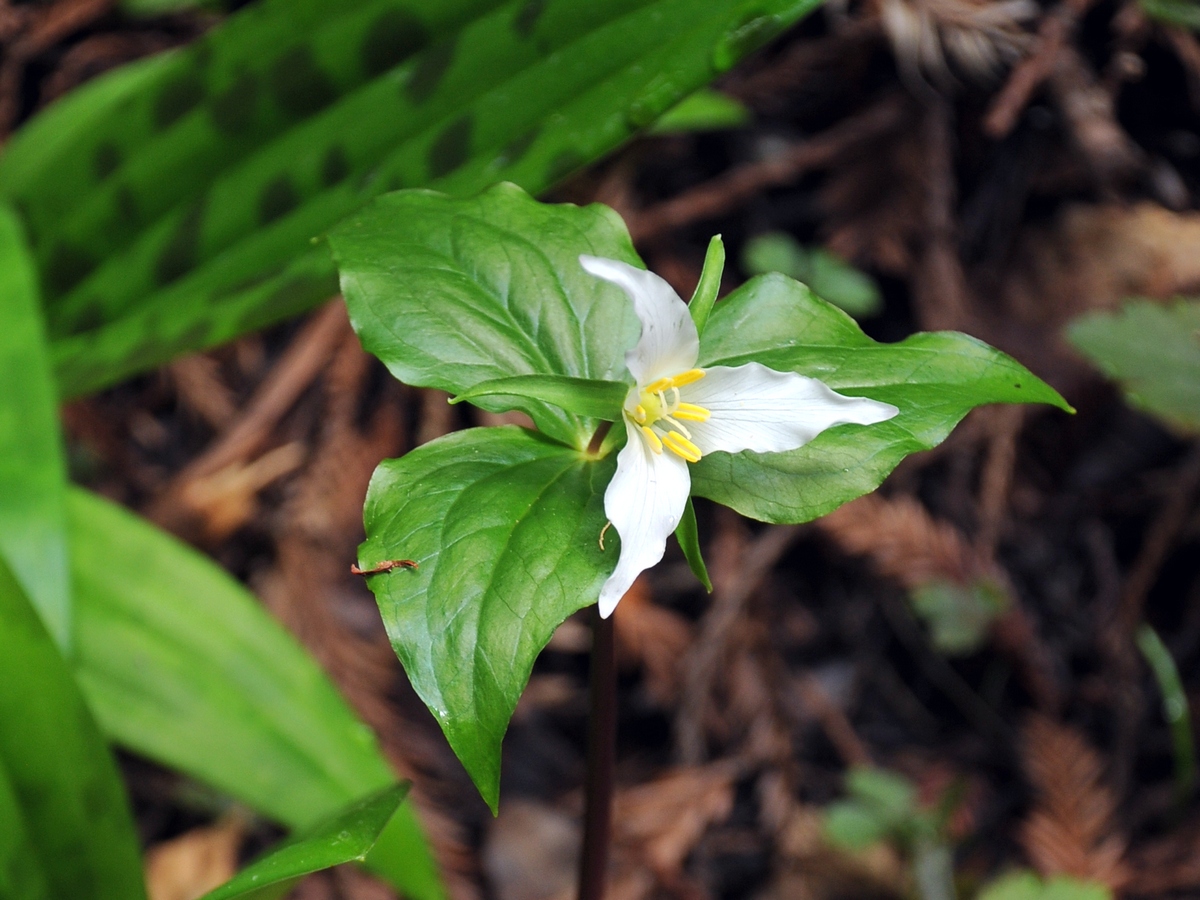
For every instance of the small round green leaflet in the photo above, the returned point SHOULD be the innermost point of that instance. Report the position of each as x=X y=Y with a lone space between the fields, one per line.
x=487 y=298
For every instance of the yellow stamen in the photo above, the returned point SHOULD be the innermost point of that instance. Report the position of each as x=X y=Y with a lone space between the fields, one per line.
x=677 y=426
x=655 y=444
x=681 y=446
x=690 y=412
x=688 y=377
x=639 y=414
x=673 y=381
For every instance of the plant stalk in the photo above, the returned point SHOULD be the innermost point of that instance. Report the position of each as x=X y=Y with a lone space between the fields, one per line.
x=602 y=745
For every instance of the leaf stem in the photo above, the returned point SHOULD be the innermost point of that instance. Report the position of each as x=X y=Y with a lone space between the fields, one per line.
x=602 y=733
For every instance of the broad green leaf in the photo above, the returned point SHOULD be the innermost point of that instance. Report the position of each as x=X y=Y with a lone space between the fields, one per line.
x=688 y=535
x=1153 y=351
x=182 y=665
x=346 y=837
x=829 y=276
x=581 y=396
x=705 y=295
x=184 y=216
x=934 y=379
x=705 y=110
x=1029 y=886
x=78 y=833
x=451 y=293
x=504 y=525
x=32 y=471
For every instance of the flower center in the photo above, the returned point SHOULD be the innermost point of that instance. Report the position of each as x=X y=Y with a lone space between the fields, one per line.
x=659 y=410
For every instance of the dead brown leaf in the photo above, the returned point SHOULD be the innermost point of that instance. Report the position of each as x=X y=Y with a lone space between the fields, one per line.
x=193 y=864
x=1073 y=827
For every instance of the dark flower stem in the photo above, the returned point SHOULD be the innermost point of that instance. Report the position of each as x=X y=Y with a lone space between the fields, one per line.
x=602 y=734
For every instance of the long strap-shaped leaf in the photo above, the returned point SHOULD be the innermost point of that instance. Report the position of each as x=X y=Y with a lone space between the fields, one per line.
x=181 y=664
x=65 y=827
x=33 y=473
x=527 y=91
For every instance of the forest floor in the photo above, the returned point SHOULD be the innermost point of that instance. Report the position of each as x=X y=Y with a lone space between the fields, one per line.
x=998 y=168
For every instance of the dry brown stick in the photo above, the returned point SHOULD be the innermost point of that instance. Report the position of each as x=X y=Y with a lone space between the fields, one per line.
x=734 y=588
x=1029 y=74
x=996 y=480
x=1117 y=639
x=833 y=721
x=1160 y=538
x=289 y=378
x=722 y=194
x=940 y=291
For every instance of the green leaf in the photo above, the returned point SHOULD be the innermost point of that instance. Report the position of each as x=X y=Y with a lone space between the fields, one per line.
x=1153 y=351
x=1175 y=710
x=451 y=293
x=181 y=664
x=958 y=615
x=504 y=525
x=852 y=825
x=77 y=829
x=183 y=215
x=709 y=286
x=581 y=396
x=1029 y=886
x=934 y=380
x=32 y=471
x=688 y=535
x=1181 y=13
x=346 y=837
x=829 y=276
x=705 y=110
x=890 y=796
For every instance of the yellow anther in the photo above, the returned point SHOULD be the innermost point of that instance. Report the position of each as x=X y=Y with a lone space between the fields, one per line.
x=639 y=414
x=690 y=412
x=673 y=381
x=691 y=375
x=681 y=446
x=655 y=444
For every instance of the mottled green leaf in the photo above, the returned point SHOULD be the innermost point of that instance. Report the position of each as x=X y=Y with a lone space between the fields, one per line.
x=450 y=293
x=32 y=471
x=182 y=665
x=184 y=216
x=581 y=396
x=70 y=800
x=1153 y=351
x=345 y=837
x=504 y=525
x=934 y=379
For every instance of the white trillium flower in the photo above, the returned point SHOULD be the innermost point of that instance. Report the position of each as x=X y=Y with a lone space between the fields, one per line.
x=676 y=414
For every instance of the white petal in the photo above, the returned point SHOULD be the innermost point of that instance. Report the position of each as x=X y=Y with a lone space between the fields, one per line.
x=644 y=501
x=756 y=408
x=669 y=343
